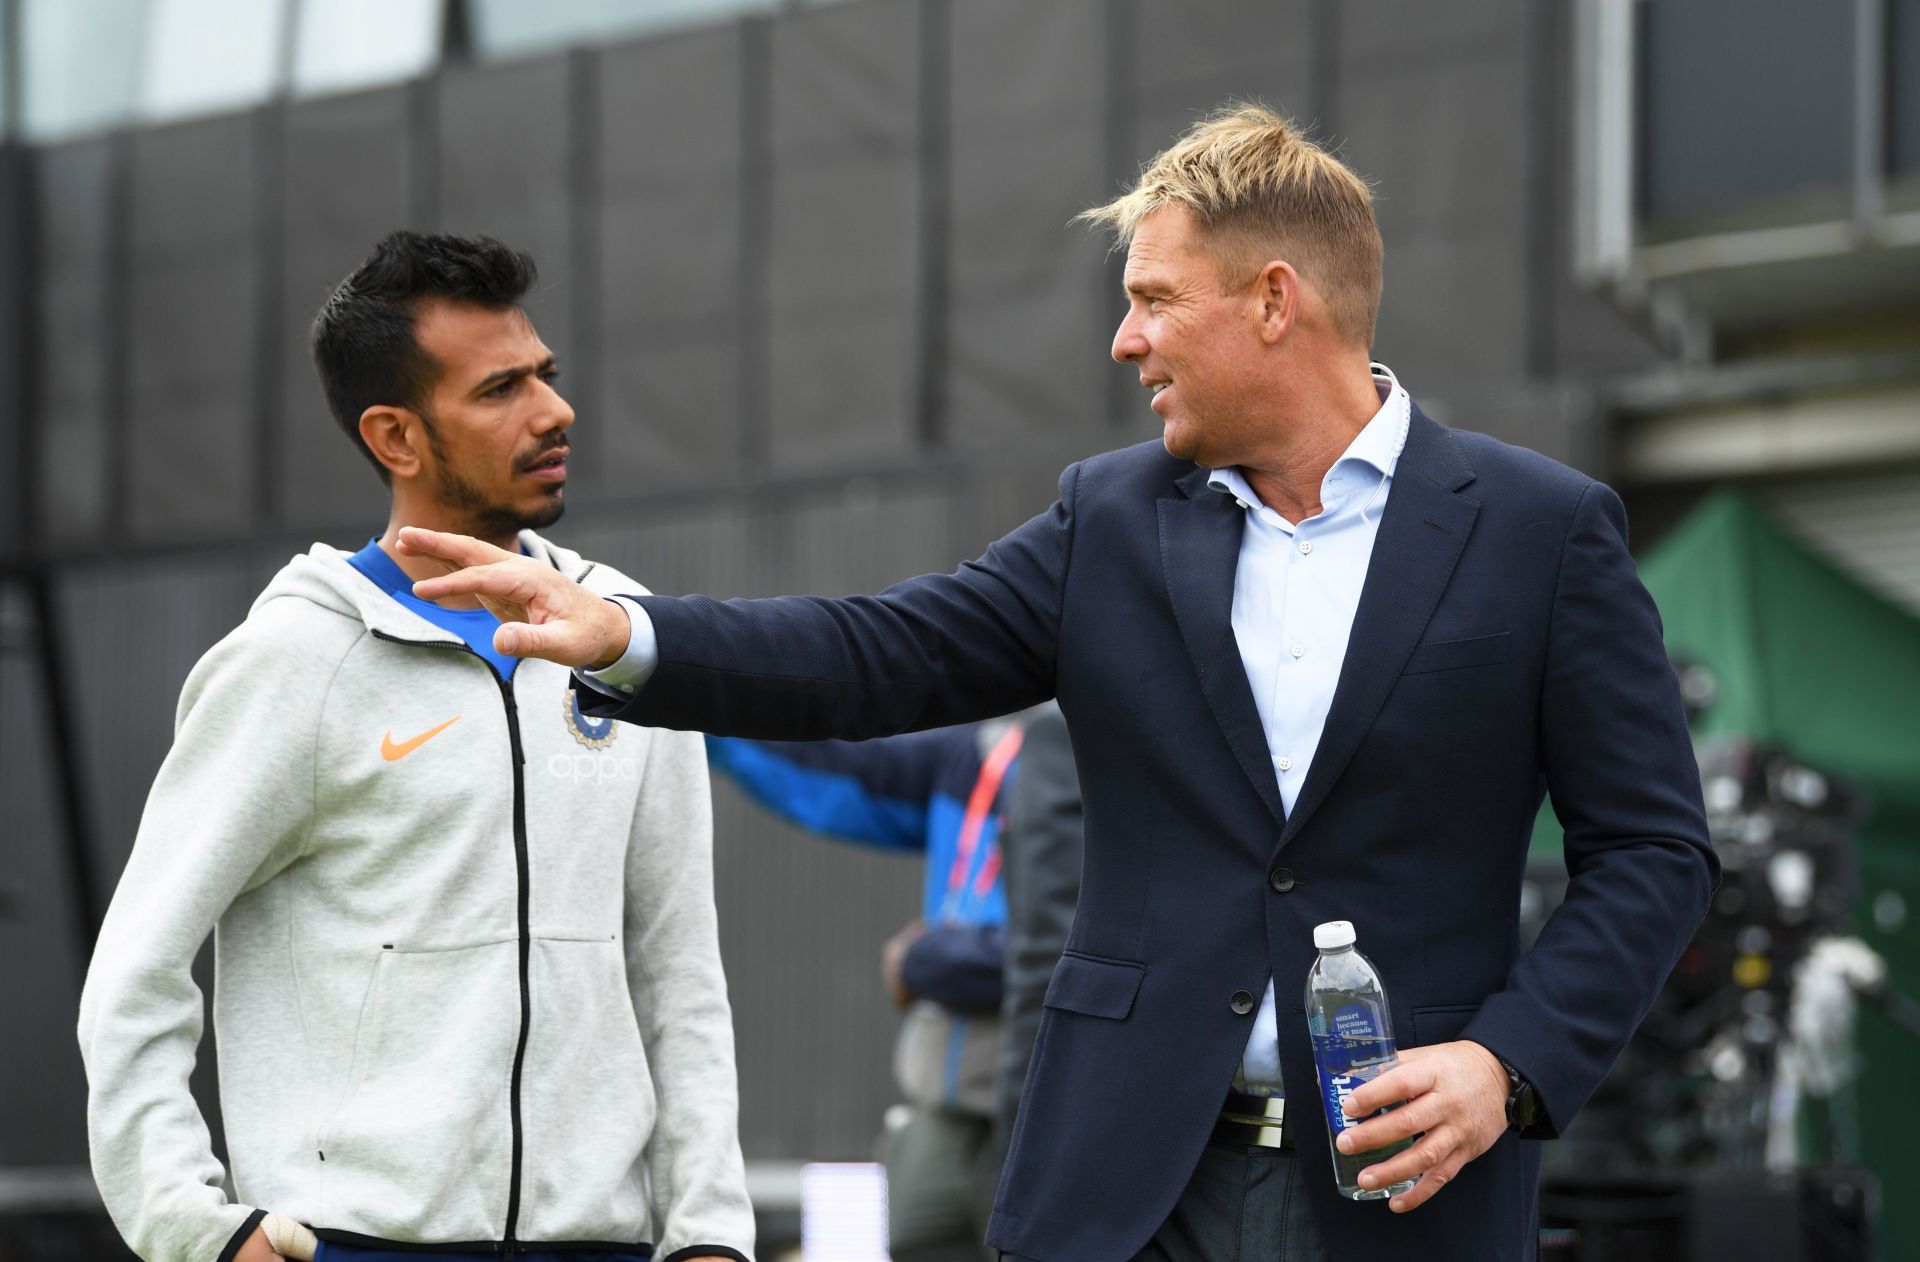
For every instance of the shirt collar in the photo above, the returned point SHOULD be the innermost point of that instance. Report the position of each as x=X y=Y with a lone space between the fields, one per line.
x=1377 y=445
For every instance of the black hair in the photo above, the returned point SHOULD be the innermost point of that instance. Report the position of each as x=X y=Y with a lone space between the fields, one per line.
x=362 y=341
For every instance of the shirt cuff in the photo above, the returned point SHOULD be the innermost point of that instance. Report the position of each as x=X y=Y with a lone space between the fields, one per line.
x=626 y=676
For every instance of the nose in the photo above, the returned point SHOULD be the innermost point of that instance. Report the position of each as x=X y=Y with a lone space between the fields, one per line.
x=556 y=414
x=1129 y=343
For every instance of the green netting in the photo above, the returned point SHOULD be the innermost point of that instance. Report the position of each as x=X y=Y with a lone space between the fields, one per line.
x=1810 y=661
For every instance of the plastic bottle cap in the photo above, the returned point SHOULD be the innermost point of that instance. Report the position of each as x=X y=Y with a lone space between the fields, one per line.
x=1333 y=935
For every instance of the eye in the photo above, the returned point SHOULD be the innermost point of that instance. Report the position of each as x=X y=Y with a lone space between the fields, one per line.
x=550 y=375
x=502 y=390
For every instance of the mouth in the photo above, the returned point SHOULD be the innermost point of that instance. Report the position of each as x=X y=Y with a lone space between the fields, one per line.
x=1159 y=387
x=551 y=466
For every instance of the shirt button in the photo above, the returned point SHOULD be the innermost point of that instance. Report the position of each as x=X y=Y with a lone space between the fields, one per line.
x=1242 y=1002
x=1306 y=546
x=1285 y=764
x=1281 y=879
x=1298 y=650
x=1242 y=503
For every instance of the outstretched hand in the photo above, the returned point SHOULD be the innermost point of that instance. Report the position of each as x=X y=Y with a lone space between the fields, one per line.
x=542 y=612
x=1454 y=1092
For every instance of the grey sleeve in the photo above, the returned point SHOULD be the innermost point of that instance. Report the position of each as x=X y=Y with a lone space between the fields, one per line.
x=1042 y=849
x=228 y=810
x=694 y=1167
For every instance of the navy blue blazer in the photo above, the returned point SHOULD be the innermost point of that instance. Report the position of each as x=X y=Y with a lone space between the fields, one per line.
x=1503 y=647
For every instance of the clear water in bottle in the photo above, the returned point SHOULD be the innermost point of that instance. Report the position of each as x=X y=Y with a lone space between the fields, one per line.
x=1352 y=1043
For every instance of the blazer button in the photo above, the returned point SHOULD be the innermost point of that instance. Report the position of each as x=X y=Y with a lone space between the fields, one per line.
x=1281 y=879
x=1242 y=1002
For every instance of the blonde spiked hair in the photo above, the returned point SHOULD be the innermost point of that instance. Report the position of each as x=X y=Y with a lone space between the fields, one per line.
x=1262 y=190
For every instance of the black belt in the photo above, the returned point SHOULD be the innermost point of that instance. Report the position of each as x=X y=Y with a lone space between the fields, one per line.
x=1258 y=1121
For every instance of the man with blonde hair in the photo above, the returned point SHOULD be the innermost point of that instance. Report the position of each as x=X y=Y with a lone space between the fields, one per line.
x=1321 y=657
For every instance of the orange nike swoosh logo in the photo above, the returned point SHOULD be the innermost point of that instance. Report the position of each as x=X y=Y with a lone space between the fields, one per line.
x=393 y=752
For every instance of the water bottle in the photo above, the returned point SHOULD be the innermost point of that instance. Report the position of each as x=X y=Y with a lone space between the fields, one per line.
x=1352 y=1044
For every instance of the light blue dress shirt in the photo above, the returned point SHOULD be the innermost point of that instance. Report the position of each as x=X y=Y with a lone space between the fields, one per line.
x=1295 y=591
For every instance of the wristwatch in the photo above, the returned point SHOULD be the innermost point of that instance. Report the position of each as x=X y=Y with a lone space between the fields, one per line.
x=1523 y=1102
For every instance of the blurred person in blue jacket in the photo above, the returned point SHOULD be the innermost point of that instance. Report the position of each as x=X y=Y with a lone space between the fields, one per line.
x=944 y=794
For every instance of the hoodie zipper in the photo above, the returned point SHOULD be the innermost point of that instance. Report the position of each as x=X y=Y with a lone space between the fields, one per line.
x=511 y=1246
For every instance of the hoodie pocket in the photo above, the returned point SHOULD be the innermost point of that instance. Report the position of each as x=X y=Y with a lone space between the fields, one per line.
x=587 y=1095
x=419 y=1144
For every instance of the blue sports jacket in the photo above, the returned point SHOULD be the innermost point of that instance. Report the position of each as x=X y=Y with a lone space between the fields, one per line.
x=908 y=794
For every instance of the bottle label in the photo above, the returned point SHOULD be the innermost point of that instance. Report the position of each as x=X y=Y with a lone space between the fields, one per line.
x=1350 y=1047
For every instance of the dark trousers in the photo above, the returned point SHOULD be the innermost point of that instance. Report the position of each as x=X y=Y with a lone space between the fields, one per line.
x=1242 y=1204
x=941 y=1171
x=354 y=1253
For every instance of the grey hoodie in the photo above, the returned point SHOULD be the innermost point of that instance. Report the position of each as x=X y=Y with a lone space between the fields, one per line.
x=468 y=977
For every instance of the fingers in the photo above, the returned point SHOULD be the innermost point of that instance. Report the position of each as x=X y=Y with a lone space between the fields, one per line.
x=458 y=550
x=1406 y=1081
x=289 y=1237
x=1423 y=1114
x=1436 y=1177
x=551 y=641
x=1450 y=1104
x=499 y=581
x=1431 y=1152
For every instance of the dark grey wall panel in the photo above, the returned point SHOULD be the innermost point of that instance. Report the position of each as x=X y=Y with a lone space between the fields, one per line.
x=73 y=189
x=672 y=279
x=1030 y=310
x=844 y=100
x=193 y=288
x=140 y=627
x=802 y=920
x=1903 y=88
x=814 y=1027
x=1744 y=100
x=40 y=1074
x=17 y=301
x=505 y=139
x=1453 y=319
x=1191 y=58
x=692 y=547
x=345 y=176
x=1421 y=96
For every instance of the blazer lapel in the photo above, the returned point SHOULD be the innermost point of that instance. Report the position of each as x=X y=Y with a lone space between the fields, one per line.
x=1200 y=551
x=1421 y=537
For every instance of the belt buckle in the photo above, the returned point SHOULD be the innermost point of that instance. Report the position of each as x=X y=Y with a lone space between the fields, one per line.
x=1257 y=1121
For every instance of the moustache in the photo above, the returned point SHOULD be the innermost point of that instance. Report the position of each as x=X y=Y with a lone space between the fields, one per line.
x=543 y=453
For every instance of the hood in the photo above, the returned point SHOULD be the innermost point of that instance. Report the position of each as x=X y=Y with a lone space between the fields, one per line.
x=323 y=577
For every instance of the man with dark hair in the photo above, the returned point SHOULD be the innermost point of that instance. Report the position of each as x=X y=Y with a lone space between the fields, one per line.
x=469 y=993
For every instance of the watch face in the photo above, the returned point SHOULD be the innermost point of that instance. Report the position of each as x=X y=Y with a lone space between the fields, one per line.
x=1523 y=1107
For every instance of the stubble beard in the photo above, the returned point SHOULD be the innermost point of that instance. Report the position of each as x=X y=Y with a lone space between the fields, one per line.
x=485 y=518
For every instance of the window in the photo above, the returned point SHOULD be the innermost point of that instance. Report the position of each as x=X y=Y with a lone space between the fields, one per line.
x=503 y=29
x=211 y=56
x=79 y=64
x=347 y=44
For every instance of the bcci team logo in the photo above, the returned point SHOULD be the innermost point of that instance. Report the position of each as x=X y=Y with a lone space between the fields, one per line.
x=591 y=732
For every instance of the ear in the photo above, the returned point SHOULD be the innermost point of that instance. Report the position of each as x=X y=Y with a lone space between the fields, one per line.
x=1280 y=296
x=394 y=436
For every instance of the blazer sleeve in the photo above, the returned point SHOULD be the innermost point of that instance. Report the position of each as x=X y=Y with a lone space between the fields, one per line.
x=935 y=650
x=1621 y=773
